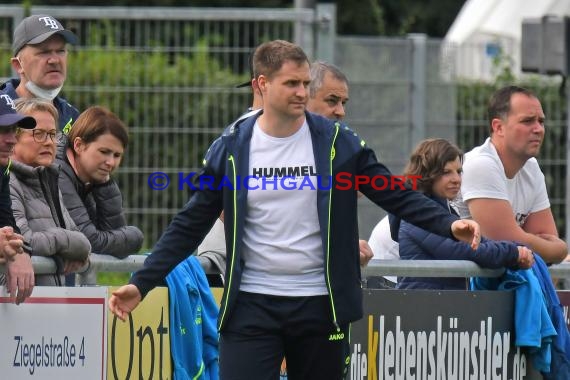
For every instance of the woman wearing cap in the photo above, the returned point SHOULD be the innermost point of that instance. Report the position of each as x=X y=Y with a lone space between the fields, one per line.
x=88 y=156
x=36 y=200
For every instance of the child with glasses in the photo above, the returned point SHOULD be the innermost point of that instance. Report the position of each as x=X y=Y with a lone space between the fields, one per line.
x=36 y=200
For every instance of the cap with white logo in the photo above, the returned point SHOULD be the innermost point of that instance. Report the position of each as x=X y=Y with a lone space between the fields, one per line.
x=36 y=29
x=9 y=116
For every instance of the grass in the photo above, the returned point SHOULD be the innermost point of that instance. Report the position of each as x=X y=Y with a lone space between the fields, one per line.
x=116 y=278
x=112 y=278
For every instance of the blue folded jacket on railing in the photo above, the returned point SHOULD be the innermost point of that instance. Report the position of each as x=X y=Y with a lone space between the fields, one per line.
x=193 y=318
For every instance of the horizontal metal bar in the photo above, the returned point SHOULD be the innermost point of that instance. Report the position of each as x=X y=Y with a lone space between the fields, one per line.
x=413 y=268
x=99 y=263
x=444 y=268
x=428 y=268
x=560 y=270
x=106 y=263
x=177 y=13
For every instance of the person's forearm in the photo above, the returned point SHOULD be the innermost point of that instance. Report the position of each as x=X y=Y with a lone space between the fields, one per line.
x=551 y=251
x=206 y=263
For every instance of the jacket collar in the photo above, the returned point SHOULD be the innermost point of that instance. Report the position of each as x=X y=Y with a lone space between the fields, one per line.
x=30 y=174
x=445 y=203
x=242 y=128
x=10 y=86
x=237 y=138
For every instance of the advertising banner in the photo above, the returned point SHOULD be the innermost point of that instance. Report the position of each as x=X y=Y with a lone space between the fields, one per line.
x=437 y=335
x=139 y=348
x=58 y=333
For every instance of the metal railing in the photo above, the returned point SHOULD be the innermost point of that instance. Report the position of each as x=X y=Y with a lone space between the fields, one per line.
x=428 y=268
x=417 y=268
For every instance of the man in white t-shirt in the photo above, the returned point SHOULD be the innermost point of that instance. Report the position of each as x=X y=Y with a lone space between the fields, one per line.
x=503 y=187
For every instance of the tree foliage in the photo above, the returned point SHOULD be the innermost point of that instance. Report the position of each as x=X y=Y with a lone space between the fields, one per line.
x=433 y=17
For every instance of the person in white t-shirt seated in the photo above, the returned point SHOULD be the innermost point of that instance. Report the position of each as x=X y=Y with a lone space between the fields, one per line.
x=383 y=248
x=503 y=187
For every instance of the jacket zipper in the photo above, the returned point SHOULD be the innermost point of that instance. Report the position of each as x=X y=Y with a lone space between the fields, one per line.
x=331 y=157
x=228 y=285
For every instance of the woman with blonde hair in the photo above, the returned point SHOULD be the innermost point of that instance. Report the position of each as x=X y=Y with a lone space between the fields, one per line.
x=36 y=200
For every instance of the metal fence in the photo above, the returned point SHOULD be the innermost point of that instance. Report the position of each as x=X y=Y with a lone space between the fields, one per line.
x=400 y=93
x=174 y=112
x=403 y=90
x=170 y=73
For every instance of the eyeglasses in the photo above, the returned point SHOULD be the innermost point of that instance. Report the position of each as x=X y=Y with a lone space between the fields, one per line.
x=40 y=135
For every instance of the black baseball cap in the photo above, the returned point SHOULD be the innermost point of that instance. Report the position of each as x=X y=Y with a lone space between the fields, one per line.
x=36 y=29
x=248 y=83
x=9 y=116
x=244 y=84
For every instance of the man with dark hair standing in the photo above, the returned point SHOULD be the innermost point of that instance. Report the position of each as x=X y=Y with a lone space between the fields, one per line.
x=503 y=187
x=40 y=59
x=293 y=277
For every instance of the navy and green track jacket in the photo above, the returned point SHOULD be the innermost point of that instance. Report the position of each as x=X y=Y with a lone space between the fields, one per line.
x=337 y=149
x=67 y=113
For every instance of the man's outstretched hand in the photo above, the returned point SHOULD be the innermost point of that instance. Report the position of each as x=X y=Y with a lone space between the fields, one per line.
x=468 y=231
x=124 y=300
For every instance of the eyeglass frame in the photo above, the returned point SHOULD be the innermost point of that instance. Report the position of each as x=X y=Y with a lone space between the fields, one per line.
x=55 y=137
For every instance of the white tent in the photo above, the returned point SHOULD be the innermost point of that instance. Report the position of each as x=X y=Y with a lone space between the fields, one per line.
x=485 y=27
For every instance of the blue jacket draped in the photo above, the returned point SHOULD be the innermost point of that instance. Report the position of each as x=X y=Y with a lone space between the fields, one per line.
x=539 y=319
x=193 y=315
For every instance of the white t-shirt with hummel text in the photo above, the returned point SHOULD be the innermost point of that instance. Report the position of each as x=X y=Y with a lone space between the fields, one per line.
x=282 y=249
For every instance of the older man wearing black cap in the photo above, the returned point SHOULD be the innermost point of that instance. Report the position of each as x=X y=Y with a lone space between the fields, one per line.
x=19 y=277
x=40 y=59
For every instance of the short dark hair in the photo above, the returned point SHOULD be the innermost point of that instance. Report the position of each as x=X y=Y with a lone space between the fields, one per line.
x=318 y=71
x=270 y=56
x=428 y=161
x=499 y=104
